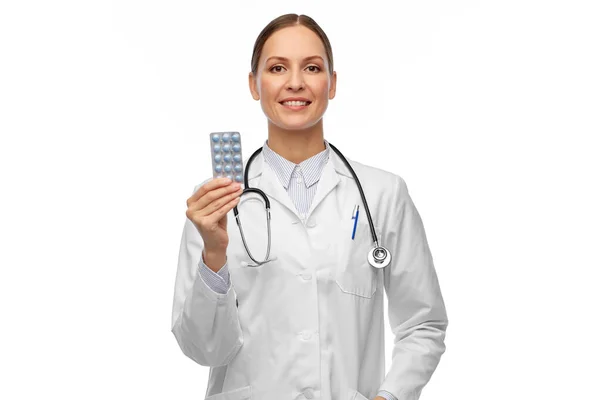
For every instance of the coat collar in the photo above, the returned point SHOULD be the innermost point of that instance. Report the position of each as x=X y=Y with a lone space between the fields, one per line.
x=311 y=168
x=270 y=184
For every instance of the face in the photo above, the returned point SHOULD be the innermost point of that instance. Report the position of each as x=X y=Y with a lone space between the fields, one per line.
x=293 y=63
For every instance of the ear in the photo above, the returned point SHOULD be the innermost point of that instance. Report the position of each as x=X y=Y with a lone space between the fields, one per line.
x=253 y=86
x=332 y=85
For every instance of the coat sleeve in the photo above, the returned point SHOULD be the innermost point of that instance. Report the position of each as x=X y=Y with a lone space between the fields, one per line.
x=205 y=323
x=416 y=309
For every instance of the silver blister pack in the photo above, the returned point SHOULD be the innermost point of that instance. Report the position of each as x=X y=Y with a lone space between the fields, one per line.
x=226 y=155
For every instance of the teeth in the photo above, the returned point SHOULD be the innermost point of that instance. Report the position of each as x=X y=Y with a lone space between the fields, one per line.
x=295 y=103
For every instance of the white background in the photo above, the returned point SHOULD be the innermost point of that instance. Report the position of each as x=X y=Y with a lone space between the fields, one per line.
x=492 y=108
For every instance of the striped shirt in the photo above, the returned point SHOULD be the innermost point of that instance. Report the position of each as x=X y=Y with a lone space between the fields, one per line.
x=300 y=182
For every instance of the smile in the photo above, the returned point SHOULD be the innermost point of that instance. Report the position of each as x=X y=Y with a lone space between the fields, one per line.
x=295 y=105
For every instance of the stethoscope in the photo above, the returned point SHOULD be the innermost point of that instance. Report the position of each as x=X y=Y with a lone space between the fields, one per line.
x=378 y=256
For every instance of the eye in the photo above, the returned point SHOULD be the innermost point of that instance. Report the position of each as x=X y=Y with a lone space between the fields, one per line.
x=316 y=68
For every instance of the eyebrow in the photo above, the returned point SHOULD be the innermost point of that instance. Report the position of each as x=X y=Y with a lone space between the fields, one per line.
x=285 y=59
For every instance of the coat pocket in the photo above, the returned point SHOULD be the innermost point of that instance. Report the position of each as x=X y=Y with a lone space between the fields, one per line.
x=243 y=393
x=354 y=275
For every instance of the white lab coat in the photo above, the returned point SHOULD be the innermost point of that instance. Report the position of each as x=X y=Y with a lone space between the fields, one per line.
x=310 y=323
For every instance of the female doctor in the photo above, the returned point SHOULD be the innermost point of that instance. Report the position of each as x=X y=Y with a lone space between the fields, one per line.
x=308 y=323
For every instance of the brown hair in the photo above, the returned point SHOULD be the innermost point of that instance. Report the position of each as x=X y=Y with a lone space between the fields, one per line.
x=284 y=21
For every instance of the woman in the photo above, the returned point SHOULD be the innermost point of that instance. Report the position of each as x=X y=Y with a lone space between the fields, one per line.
x=309 y=322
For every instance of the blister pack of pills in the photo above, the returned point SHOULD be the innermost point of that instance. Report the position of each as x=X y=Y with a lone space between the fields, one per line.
x=226 y=155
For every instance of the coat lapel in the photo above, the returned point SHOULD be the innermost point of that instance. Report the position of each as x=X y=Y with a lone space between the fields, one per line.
x=262 y=177
x=328 y=181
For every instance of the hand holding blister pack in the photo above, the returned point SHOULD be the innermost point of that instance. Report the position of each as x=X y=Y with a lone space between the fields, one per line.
x=226 y=155
x=209 y=204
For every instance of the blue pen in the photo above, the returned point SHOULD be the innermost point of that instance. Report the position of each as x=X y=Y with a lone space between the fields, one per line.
x=355 y=221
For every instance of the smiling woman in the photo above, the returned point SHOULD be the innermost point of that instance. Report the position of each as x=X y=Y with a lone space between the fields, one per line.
x=293 y=78
x=309 y=323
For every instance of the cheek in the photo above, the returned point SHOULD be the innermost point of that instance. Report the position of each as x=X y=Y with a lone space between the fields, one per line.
x=268 y=89
x=321 y=88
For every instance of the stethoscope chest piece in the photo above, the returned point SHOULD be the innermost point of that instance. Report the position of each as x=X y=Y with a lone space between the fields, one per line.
x=379 y=257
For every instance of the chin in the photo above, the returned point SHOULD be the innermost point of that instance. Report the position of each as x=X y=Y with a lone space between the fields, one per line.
x=294 y=122
x=295 y=127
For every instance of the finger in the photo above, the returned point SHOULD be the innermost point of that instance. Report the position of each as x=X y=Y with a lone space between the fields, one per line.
x=217 y=198
x=207 y=187
x=218 y=214
x=217 y=204
x=213 y=195
x=212 y=213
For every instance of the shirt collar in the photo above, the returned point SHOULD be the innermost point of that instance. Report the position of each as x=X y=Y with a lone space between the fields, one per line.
x=311 y=168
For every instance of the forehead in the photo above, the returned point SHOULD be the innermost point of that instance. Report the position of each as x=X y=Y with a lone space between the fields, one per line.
x=293 y=42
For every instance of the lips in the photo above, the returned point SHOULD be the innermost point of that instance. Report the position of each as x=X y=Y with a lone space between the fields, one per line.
x=295 y=103
x=295 y=106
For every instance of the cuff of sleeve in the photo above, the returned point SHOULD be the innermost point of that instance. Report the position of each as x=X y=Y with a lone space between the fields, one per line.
x=218 y=282
x=224 y=273
x=386 y=395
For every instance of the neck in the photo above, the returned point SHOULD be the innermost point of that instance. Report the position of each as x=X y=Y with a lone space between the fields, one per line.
x=296 y=145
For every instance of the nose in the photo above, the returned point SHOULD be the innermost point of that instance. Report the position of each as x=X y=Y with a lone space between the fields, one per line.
x=296 y=80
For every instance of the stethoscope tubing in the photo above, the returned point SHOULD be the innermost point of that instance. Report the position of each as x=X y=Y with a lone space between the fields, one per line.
x=362 y=194
x=268 y=204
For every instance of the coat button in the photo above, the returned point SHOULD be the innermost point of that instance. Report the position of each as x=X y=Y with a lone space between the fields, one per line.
x=307 y=276
x=311 y=223
x=306 y=335
x=309 y=394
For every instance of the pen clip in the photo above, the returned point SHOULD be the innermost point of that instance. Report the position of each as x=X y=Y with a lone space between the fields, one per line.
x=354 y=211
